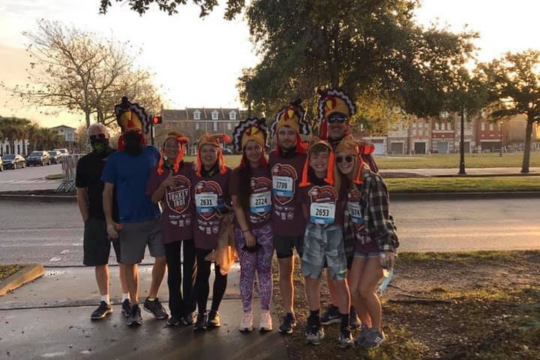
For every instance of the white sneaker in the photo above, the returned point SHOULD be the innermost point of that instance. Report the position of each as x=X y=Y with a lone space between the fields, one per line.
x=247 y=323
x=266 y=321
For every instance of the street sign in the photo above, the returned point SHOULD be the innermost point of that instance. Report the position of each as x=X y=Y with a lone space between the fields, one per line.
x=69 y=136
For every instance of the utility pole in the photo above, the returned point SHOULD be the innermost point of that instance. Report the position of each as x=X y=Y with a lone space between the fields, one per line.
x=462 y=144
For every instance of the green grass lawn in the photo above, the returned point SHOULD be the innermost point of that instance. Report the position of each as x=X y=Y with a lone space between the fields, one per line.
x=451 y=161
x=464 y=184
x=435 y=161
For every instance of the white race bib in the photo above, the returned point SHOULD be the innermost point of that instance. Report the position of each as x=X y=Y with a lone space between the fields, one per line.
x=282 y=186
x=355 y=213
x=206 y=202
x=261 y=202
x=322 y=213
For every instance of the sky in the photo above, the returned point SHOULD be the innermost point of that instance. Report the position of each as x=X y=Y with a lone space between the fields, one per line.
x=198 y=61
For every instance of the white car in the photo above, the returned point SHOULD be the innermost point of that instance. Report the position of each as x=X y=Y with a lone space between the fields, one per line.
x=63 y=151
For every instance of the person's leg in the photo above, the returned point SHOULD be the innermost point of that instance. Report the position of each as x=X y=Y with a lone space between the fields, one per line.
x=174 y=276
x=313 y=293
x=157 y=250
x=158 y=273
x=284 y=252
x=264 y=265
x=248 y=262
x=220 y=286
x=188 y=281
x=102 y=278
x=202 y=288
x=355 y=275
x=123 y=280
x=367 y=288
x=132 y=278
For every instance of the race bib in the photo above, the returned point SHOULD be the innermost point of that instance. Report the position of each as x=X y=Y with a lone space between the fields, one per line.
x=206 y=202
x=282 y=186
x=354 y=213
x=261 y=203
x=322 y=213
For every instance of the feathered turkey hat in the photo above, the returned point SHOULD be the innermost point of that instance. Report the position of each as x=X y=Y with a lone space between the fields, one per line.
x=252 y=129
x=182 y=140
x=294 y=116
x=212 y=139
x=333 y=101
x=130 y=117
x=314 y=141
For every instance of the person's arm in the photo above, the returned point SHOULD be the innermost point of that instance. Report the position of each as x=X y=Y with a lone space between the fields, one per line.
x=82 y=201
x=240 y=215
x=108 y=210
x=384 y=227
x=157 y=194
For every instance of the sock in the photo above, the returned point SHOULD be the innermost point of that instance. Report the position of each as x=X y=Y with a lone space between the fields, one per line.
x=344 y=320
x=106 y=298
x=125 y=297
x=150 y=299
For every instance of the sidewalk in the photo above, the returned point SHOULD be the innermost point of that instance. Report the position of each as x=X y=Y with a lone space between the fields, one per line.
x=50 y=318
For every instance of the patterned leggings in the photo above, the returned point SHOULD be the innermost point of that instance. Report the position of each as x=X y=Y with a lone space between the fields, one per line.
x=260 y=262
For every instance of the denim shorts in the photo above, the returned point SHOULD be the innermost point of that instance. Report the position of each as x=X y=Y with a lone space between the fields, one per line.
x=324 y=246
x=366 y=256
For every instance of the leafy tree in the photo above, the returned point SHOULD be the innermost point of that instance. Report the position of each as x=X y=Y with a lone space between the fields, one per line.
x=73 y=69
x=233 y=8
x=370 y=48
x=514 y=87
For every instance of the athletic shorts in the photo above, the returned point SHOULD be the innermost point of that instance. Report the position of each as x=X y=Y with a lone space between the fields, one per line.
x=134 y=237
x=324 y=246
x=285 y=245
x=97 y=245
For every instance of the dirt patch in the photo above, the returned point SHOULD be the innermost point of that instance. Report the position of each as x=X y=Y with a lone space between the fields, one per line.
x=8 y=270
x=445 y=306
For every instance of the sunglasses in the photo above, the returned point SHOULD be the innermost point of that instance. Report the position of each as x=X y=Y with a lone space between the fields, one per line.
x=340 y=159
x=337 y=118
x=98 y=136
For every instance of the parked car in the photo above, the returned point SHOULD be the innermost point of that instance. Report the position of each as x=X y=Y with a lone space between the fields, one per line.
x=56 y=156
x=1 y=164
x=38 y=158
x=12 y=161
x=64 y=151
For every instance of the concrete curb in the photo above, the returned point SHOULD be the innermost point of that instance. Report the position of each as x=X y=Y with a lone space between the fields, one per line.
x=21 y=277
x=37 y=198
x=411 y=196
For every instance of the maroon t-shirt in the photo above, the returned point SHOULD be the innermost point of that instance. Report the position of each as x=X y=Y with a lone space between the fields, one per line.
x=259 y=212
x=177 y=217
x=287 y=216
x=363 y=242
x=210 y=194
x=326 y=206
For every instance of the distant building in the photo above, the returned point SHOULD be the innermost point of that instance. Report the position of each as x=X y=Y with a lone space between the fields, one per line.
x=67 y=133
x=21 y=147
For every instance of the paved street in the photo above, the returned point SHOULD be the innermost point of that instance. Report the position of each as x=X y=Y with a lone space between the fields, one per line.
x=51 y=233
x=29 y=178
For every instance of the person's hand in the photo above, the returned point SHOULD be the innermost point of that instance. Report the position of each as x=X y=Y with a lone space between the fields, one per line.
x=251 y=241
x=111 y=230
x=169 y=181
x=85 y=219
x=387 y=259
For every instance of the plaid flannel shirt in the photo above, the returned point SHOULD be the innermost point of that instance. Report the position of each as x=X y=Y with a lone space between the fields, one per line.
x=374 y=204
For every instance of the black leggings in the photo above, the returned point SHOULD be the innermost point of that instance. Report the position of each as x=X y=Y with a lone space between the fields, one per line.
x=181 y=306
x=202 y=286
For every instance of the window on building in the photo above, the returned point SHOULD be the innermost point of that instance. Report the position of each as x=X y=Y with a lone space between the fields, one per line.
x=197 y=115
x=215 y=127
x=414 y=125
x=437 y=126
x=490 y=127
x=232 y=115
x=215 y=115
x=443 y=126
x=197 y=126
x=229 y=126
x=420 y=126
x=414 y=131
x=483 y=126
x=61 y=130
x=449 y=126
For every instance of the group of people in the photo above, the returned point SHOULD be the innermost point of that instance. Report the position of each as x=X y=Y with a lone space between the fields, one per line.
x=322 y=199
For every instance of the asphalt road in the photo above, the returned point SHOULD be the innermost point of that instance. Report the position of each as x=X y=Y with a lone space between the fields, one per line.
x=29 y=178
x=51 y=233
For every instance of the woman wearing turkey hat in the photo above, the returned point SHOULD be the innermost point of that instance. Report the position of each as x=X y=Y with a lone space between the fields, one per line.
x=251 y=192
x=212 y=200
x=170 y=184
x=374 y=233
